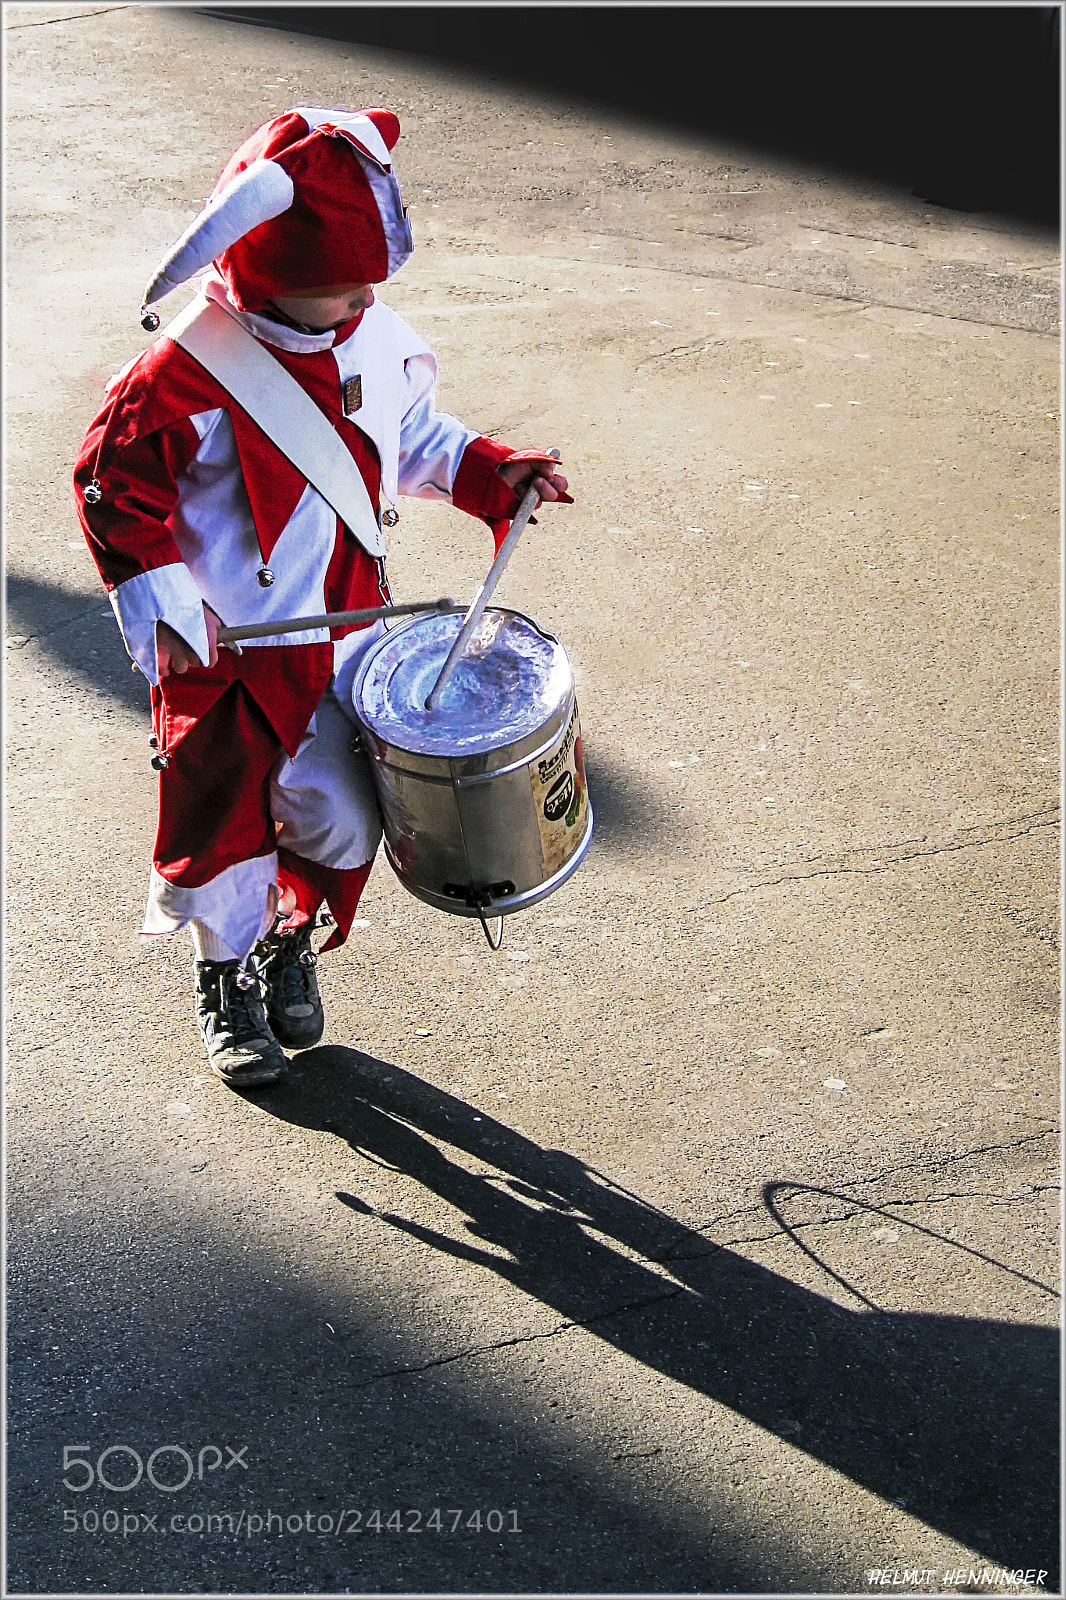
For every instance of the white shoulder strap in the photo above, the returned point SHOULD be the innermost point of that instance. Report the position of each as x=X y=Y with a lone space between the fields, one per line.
x=285 y=412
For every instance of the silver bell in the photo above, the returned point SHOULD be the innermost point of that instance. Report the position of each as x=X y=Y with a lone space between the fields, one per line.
x=93 y=493
x=327 y=919
x=149 y=320
x=264 y=577
x=308 y=958
x=160 y=761
x=246 y=980
x=390 y=518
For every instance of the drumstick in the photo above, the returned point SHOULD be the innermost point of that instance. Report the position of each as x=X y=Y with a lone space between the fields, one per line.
x=492 y=578
x=330 y=619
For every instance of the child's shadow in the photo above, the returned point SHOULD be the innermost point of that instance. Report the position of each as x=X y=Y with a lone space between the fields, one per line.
x=956 y=1418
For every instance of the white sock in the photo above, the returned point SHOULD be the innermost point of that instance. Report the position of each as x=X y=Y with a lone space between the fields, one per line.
x=208 y=945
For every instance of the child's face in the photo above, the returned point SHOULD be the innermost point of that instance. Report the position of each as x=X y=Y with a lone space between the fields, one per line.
x=329 y=306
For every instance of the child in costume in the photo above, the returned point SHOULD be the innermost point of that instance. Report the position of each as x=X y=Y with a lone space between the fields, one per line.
x=197 y=519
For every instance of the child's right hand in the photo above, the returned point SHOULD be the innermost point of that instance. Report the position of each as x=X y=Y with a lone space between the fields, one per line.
x=174 y=655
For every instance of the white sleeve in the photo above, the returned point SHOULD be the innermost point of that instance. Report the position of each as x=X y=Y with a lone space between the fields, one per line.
x=163 y=594
x=431 y=442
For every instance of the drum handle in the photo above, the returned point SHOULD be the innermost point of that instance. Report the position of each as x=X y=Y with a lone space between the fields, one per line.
x=330 y=619
x=492 y=578
x=494 y=944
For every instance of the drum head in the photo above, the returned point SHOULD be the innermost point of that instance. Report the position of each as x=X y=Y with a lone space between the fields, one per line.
x=510 y=682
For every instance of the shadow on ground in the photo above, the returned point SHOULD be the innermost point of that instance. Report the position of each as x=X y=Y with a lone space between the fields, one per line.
x=151 y=1305
x=151 y=1308
x=954 y=1418
x=180 y=1338
x=79 y=632
x=959 y=105
x=627 y=812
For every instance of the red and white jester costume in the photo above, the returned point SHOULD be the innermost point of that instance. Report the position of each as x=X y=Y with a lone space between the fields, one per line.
x=185 y=500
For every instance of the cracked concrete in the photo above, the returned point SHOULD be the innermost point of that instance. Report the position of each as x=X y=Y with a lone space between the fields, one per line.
x=49 y=22
x=1000 y=832
x=711 y=1226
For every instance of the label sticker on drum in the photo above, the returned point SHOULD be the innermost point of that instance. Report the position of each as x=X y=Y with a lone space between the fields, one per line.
x=561 y=798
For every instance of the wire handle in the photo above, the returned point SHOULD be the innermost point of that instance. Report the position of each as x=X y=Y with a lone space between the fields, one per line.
x=494 y=943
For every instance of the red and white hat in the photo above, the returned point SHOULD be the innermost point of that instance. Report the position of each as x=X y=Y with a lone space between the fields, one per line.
x=310 y=200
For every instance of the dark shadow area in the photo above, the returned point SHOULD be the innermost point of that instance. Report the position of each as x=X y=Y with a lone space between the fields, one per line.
x=954 y=1418
x=79 y=632
x=958 y=104
x=628 y=814
x=136 y=1321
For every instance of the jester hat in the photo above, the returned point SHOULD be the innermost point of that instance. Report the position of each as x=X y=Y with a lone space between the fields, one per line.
x=310 y=200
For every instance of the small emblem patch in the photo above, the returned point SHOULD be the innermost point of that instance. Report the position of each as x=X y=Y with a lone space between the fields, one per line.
x=559 y=796
x=353 y=394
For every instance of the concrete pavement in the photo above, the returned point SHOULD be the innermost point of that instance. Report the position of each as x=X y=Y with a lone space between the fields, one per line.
x=708 y=1233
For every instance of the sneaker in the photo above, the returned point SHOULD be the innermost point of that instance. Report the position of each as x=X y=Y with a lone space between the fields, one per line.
x=233 y=1022
x=285 y=964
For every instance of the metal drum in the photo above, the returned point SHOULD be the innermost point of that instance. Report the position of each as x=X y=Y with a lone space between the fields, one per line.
x=484 y=799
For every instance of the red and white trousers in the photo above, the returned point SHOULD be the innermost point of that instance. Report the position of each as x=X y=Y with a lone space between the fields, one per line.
x=242 y=820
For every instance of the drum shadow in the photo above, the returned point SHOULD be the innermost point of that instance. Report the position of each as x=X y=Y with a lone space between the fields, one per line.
x=627 y=812
x=954 y=1418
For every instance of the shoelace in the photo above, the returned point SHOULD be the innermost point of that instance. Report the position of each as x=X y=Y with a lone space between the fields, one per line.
x=236 y=1001
x=288 y=966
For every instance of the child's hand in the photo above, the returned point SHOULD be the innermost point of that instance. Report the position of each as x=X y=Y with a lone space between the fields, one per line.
x=176 y=656
x=523 y=475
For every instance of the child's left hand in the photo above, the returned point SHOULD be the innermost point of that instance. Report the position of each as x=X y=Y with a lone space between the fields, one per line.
x=522 y=475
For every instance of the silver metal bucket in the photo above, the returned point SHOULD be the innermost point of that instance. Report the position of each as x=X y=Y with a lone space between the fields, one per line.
x=484 y=799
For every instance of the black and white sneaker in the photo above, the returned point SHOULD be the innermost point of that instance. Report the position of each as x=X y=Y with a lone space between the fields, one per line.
x=233 y=1022
x=285 y=964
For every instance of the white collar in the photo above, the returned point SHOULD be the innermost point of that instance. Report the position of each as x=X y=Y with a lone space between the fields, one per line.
x=265 y=328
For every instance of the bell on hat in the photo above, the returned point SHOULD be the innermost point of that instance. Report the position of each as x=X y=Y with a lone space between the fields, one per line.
x=308 y=201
